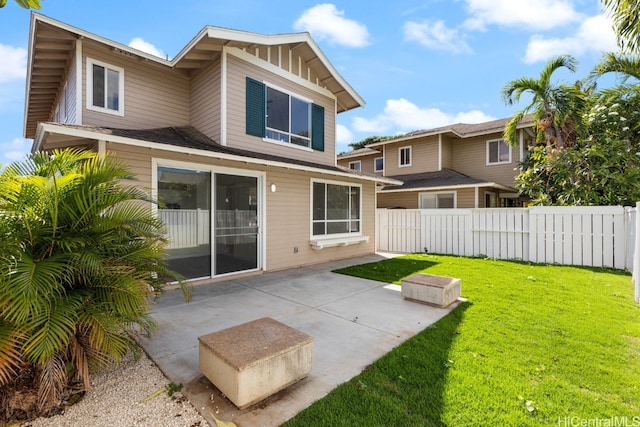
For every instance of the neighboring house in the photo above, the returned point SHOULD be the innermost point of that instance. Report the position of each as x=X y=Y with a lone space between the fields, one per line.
x=235 y=137
x=456 y=166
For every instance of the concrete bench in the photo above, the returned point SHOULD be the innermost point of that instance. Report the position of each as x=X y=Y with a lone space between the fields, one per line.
x=254 y=360
x=435 y=290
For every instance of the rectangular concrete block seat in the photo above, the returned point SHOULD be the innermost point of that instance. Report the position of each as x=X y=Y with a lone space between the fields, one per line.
x=254 y=360
x=434 y=290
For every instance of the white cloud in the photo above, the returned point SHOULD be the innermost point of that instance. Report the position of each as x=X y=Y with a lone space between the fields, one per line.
x=140 y=44
x=343 y=134
x=325 y=21
x=594 y=34
x=401 y=116
x=14 y=150
x=13 y=64
x=435 y=35
x=534 y=14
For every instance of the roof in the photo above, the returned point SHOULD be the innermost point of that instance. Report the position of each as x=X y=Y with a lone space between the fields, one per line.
x=189 y=138
x=359 y=152
x=445 y=178
x=460 y=130
x=52 y=50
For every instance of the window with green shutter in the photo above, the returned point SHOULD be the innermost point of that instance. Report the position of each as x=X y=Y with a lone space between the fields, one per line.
x=255 y=108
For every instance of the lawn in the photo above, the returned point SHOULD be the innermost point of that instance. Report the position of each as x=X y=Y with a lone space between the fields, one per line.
x=534 y=345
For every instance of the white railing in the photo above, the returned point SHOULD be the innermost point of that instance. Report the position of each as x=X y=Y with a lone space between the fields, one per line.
x=600 y=236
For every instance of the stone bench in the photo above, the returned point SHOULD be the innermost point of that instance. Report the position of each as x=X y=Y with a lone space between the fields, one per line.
x=435 y=290
x=254 y=360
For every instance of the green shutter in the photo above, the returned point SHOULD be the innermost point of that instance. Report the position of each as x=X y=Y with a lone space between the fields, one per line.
x=255 y=108
x=317 y=127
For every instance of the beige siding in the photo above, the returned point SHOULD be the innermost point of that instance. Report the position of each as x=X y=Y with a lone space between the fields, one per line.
x=470 y=158
x=424 y=156
x=447 y=153
x=237 y=71
x=367 y=163
x=154 y=95
x=466 y=198
x=65 y=110
x=404 y=199
x=206 y=101
x=287 y=211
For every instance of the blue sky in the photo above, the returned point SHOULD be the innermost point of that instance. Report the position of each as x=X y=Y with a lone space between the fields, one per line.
x=417 y=64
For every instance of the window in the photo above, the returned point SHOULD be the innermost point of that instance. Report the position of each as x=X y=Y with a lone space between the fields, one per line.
x=498 y=152
x=438 y=200
x=378 y=164
x=279 y=116
x=105 y=87
x=336 y=208
x=404 y=156
x=356 y=166
x=490 y=199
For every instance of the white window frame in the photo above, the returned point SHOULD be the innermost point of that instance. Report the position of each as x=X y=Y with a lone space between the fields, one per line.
x=400 y=165
x=311 y=220
x=499 y=162
x=89 y=77
x=375 y=164
x=354 y=163
x=435 y=193
x=267 y=129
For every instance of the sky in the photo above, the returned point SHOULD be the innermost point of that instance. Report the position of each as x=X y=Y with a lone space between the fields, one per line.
x=417 y=64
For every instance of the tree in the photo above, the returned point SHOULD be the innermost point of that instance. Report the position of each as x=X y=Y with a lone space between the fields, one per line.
x=556 y=108
x=368 y=140
x=626 y=22
x=27 y=4
x=80 y=255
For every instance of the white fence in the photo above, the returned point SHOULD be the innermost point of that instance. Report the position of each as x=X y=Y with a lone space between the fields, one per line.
x=590 y=236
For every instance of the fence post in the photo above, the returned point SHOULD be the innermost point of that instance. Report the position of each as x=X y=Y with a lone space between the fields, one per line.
x=636 y=256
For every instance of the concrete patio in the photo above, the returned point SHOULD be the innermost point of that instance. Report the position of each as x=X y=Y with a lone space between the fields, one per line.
x=353 y=322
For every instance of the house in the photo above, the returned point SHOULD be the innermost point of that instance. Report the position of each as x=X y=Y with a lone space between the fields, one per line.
x=456 y=166
x=235 y=138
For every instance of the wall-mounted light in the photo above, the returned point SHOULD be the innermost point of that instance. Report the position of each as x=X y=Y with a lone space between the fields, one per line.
x=273 y=187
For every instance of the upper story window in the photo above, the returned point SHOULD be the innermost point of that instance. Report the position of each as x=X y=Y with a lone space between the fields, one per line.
x=404 y=156
x=378 y=164
x=446 y=200
x=498 y=152
x=336 y=208
x=105 y=87
x=279 y=116
x=356 y=166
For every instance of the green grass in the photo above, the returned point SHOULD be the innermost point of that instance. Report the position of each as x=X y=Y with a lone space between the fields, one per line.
x=534 y=345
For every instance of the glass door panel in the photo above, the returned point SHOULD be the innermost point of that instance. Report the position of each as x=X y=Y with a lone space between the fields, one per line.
x=236 y=223
x=184 y=205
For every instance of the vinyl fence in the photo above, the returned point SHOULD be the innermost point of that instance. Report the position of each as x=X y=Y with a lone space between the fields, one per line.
x=599 y=236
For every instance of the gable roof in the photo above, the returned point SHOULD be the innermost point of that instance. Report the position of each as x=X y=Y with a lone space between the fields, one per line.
x=445 y=178
x=366 y=151
x=189 y=139
x=52 y=50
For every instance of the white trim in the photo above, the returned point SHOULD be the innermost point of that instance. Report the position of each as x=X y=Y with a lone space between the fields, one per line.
x=521 y=140
x=400 y=165
x=223 y=98
x=89 y=77
x=455 y=198
x=498 y=140
x=82 y=133
x=239 y=53
x=375 y=164
x=320 y=237
x=290 y=94
x=439 y=151
x=359 y=163
x=213 y=169
x=445 y=187
x=102 y=147
x=319 y=244
x=287 y=144
x=79 y=80
x=476 y=198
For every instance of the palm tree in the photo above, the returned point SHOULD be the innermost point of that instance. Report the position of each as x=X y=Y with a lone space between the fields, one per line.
x=628 y=66
x=80 y=255
x=556 y=108
x=626 y=21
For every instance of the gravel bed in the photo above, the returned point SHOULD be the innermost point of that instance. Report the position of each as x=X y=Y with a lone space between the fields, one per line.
x=116 y=398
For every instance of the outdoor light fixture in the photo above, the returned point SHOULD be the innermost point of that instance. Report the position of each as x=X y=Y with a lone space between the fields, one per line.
x=273 y=187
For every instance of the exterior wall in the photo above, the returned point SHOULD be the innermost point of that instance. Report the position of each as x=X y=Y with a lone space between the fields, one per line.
x=154 y=95
x=237 y=71
x=66 y=109
x=285 y=57
x=287 y=211
x=465 y=198
x=469 y=157
x=424 y=156
x=205 y=101
x=367 y=163
x=447 y=153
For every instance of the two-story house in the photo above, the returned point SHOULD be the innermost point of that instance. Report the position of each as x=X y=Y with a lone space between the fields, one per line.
x=235 y=138
x=455 y=166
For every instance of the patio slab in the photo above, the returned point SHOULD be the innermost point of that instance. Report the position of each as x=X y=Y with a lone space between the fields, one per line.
x=353 y=322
